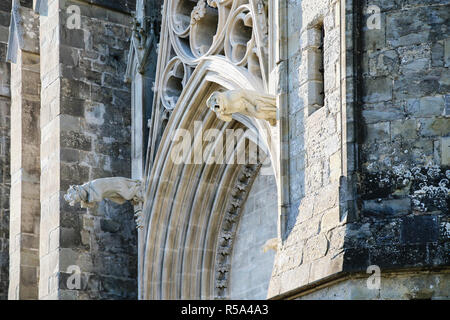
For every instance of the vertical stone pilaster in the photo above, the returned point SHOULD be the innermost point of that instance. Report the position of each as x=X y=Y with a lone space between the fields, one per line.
x=5 y=181
x=23 y=52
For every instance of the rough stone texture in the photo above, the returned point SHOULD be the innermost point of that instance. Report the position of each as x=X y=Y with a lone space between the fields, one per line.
x=364 y=170
x=251 y=268
x=403 y=191
x=314 y=144
x=85 y=135
x=5 y=180
x=396 y=78
x=25 y=155
x=420 y=286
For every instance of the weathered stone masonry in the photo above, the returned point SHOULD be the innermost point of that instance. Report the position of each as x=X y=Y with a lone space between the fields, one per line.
x=5 y=101
x=71 y=124
x=85 y=135
x=403 y=194
x=369 y=170
x=23 y=53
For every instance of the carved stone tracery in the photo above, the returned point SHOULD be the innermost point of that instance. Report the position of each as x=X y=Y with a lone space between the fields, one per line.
x=202 y=29
x=206 y=46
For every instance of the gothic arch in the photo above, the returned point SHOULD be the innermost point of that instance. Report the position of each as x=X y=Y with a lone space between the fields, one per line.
x=190 y=210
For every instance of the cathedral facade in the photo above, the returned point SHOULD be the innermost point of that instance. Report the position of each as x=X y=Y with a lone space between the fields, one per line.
x=224 y=149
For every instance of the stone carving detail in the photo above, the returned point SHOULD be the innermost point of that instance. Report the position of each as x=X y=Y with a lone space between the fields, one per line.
x=229 y=227
x=175 y=77
x=239 y=40
x=199 y=29
x=116 y=189
x=230 y=36
x=253 y=104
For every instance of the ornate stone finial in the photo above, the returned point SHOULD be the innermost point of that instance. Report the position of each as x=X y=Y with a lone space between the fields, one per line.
x=251 y=103
x=116 y=189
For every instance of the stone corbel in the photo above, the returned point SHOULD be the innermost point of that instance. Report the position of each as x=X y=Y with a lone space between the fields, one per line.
x=247 y=102
x=116 y=189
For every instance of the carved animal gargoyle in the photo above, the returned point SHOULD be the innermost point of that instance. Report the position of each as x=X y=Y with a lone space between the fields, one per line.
x=250 y=103
x=116 y=189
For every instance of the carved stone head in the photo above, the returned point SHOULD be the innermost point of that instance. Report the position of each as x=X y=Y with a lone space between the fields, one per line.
x=213 y=102
x=72 y=196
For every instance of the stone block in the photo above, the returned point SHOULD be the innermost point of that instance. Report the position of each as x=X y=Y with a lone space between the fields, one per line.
x=316 y=247
x=330 y=219
x=420 y=229
x=445 y=151
x=432 y=106
x=447 y=52
x=326 y=266
x=377 y=90
x=389 y=208
x=378 y=132
x=407 y=27
x=404 y=129
x=294 y=278
x=434 y=126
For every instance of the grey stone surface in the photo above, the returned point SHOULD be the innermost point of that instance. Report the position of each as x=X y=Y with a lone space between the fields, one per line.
x=86 y=121
x=251 y=268
x=401 y=131
x=405 y=286
x=367 y=147
x=5 y=180
x=401 y=154
x=5 y=9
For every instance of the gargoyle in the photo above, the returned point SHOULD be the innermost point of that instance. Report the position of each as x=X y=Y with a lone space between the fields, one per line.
x=251 y=103
x=116 y=189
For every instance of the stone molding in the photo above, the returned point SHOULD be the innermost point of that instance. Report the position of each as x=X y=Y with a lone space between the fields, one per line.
x=205 y=47
x=227 y=234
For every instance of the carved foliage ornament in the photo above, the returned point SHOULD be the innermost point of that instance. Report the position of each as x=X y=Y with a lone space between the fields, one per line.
x=228 y=229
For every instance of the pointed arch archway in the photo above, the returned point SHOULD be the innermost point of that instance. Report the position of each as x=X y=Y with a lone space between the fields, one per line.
x=191 y=209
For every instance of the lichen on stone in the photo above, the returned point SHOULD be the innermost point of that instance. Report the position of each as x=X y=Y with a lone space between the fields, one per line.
x=427 y=186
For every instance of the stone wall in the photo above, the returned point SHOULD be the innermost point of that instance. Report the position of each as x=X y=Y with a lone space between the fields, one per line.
x=85 y=135
x=251 y=267
x=5 y=181
x=368 y=171
x=23 y=53
x=404 y=133
x=313 y=104
x=407 y=286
